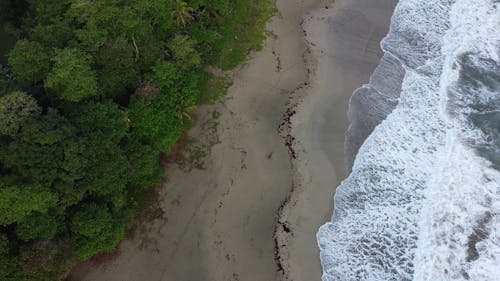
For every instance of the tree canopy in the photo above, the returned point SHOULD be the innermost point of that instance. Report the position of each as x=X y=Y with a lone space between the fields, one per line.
x=92 y=93
x=72 y=78
x=29 y=61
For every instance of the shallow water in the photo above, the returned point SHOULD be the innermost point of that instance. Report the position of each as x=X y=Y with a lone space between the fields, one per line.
x=423 y=199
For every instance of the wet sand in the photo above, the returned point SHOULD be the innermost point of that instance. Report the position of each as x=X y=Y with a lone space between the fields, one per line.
x=344 y=42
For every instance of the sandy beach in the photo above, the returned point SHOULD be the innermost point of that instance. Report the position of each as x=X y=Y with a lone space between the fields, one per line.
x=279 y=129
x=344 y=41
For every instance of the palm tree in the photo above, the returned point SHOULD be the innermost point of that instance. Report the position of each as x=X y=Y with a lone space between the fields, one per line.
x=182 y=13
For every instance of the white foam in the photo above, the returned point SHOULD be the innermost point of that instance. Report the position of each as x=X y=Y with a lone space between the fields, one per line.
x=418 y=195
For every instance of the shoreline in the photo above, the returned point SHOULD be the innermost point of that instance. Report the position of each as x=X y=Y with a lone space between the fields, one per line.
x=319 y=122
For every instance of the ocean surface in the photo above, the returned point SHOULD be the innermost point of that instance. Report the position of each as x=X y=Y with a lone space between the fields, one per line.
x=422 y=201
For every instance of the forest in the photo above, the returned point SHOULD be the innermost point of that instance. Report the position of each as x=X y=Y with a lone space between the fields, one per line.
x=91 y=93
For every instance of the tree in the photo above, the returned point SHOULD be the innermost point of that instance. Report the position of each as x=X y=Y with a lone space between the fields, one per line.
x=183 y=51
x=95 y=229
x=143 y=167
x=29 y=61
x=8 y=82
x=19 y=200
x=38 y=152
x=38 y=226
x=15 y=109
x=105 y=171
x=166 y=74
x=155 y=123
x=101 y=128
x=182 y=13
x=9 y=266
x=72 y=78
x=105 y=118
x=55 y=34
x=117 y=68
x=73 y=169
x=10 y=269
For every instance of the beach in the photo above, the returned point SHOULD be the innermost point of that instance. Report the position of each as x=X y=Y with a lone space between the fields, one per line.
x=269 y=156
x=344 y=41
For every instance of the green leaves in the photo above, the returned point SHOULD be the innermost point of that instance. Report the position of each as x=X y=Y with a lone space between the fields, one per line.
x=79 y=141
x=19 y=200
x=143 y=167
x=37 y=152
x=16 y=109
x=117 y=68
x=72 y=78
x=38 y=226
x=95 y=229
x=182 y=13
x=29 y=61
x=184 y=52
x=156 y=123
x=104 y=118
x=166 y=74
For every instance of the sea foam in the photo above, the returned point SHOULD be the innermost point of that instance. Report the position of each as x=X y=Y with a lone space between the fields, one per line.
x=423 y=199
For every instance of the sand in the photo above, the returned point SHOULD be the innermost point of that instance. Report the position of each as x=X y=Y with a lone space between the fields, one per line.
x=220 y=220
x=344 y=42
x=280 y=129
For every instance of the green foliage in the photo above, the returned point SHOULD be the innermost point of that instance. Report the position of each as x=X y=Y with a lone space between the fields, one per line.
x=107 y=165
x=117 y=68
x=29 y=61
x=94 y=91
x=143 y=168
x=4 y=245
x=54 y=34
x=95 y=229
x=184 y=52
x=103 y=118
x=18 y=201
x=15 y=109
x=38 y=153
x=155 y=123
x=230 y=29
x=38 y=226
x=51 y=28
x=182 y=13
x=166 y=74
x=10 y=269
x=72 y=78
x=7 y=81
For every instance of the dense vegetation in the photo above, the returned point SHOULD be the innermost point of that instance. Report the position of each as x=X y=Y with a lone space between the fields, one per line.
x=92 y=93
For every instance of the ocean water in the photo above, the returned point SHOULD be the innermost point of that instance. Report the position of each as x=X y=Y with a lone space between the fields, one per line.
x=422 y=201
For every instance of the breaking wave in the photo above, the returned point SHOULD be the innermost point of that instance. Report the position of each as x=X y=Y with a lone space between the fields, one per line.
x=423 y=199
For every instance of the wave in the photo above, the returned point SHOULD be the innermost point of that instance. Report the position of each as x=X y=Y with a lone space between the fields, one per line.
x=423 y=199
